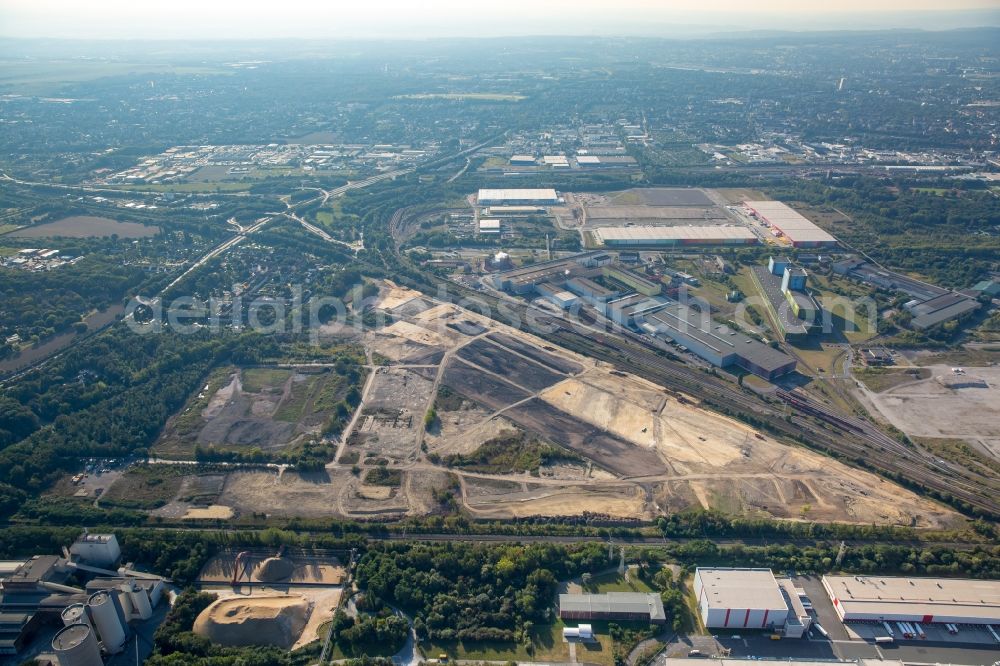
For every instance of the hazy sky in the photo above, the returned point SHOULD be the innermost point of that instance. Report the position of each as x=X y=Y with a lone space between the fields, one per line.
x=434 y=18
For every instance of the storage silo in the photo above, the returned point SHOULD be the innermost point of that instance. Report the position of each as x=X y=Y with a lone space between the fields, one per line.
x=124 y=594
x=141 y=607
x=75 y=614
x=76 y=645
x=105 y=612
x=156 y=592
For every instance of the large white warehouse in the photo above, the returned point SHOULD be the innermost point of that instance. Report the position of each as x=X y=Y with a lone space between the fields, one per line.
x=925 y=600
x=749 y=599
x=799 y=230
x=642 y=236
x=517 y=197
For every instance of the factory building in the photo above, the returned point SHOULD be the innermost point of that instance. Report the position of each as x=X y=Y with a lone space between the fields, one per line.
x=513 y=211
x=16 y=629
x=939 y=309
x=631 y=311
x=99 y=550
x=45 y=589
x=777 y=265
x=749 y=599
x=524 y=280
x=584 y=632
x=647 y=236
x=876 y=356
x=592 y=293
x=612 y=606
x=930 y=305
x=596 y=260
x=522 y=160
x=793 y=278
x=517 y=197
x=641 y=284
x=922 y=600
x=560 y=297
x=719 y=344
x=796 y=228
x=605 y=161
x=791 y=308
x=489 y=226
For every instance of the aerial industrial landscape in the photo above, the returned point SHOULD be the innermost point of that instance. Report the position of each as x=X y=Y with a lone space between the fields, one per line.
x=604 y=350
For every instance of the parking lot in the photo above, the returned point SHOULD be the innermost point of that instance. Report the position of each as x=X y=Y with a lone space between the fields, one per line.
x=760 y=646
x=823 y=611
x=972 y=646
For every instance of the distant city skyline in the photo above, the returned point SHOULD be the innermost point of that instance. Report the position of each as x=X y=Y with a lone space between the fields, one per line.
x=257 y=19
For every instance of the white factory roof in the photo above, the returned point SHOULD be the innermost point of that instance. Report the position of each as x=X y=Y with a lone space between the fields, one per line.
x=741 y=588
x=888 y=595
x=588 y=159
x=790 y=222
x=518 y=195
x=489 y=225
x=522 y=158
x=640 y=233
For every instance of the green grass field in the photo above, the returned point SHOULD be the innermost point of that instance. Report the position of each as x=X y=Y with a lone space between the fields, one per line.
x=883 y=379
x=190 y=419
x=145 y=487
x=255 y=380
x=546 y=645
x=375 y=650
x=291 y=410
x=324 y=217
x=613 y=582
x=46 y=76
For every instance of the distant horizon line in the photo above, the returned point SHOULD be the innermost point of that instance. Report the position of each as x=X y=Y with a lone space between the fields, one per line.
x=684 y=25
x=718 y=31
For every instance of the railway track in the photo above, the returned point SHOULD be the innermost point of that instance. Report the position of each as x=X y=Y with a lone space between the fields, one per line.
x=799 y=416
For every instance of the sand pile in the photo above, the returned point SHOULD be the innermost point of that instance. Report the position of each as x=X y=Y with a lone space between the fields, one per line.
x=240 y=621
x=274 y=569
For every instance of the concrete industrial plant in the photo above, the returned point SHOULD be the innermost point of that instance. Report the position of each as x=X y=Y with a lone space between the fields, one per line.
x=96 y=600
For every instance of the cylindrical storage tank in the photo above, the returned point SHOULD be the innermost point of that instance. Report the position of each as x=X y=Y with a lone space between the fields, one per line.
x=156 y=593
x=140 y=602
x=104 y=613
x=75 y=614
x=76 y=645
x=125 y=600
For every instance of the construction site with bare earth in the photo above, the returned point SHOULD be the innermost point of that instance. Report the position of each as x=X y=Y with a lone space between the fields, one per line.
x=460 y=411
x=263 y=598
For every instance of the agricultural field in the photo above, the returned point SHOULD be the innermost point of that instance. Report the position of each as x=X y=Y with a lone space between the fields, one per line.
x=86 y=226
x=36 y=77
